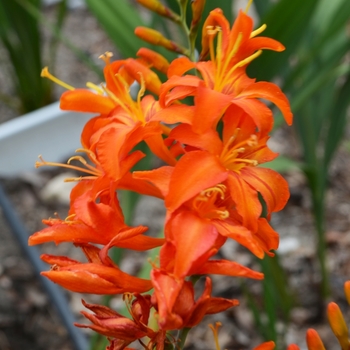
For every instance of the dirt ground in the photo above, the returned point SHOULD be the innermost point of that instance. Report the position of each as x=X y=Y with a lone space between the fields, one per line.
x=27 y=317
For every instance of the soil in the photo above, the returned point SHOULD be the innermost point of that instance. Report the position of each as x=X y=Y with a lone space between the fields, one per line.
x=28 y=319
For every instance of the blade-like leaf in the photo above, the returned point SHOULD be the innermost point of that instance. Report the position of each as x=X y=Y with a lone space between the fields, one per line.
x=286 y=22
x=119 y=19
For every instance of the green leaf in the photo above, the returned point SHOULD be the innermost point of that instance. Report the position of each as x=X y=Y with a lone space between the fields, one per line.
x=337 y=117
x=119 y=19
x=287 y=22
x=19 y=32
x=282 y=164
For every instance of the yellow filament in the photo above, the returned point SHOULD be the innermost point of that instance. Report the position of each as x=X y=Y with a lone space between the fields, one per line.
x=46 y=74
x=215 y=331
x=248 y=6
x=91 y=170
x=219 y=50
x=243 y=63
x=220 y=188
x=90 y=153
x=83 y=161
x=115 y=99
x=212 y=32
x=94 y=87
x=221 y=72
x=257 y=31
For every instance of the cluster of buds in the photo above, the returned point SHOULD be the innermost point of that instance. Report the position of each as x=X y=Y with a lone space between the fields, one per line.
x=313 y=340
x=211 y=183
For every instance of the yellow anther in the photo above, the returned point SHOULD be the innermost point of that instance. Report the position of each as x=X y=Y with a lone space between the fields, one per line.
x=46 y=74
x=258 y=31
x=106 y=57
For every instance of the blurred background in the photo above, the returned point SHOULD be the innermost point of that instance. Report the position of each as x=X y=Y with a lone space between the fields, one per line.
x=313 y=260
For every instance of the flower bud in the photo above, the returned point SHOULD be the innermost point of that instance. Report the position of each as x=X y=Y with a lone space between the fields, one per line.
x=338 y=325
x=347 y=291
x=156 y=38
x=158 y=7
x=313 y=340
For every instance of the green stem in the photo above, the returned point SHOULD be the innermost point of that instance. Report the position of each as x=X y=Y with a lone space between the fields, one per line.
x=182 y=337
x=184 y=26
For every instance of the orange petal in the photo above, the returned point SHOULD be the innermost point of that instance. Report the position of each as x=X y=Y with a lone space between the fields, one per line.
x=193 y=237
x=187 y=179
x=246 y=200
x=271 y=92
x=208 y=141
x=240 y=234
x=175 y=114
x=82 y=100
x=97 y=279
x=210 y=105
x=228 y=268
x=166 y=291
x=63 y=232
x=179 y=66
x=158 y=148
x=158 y=177
x=271 y=185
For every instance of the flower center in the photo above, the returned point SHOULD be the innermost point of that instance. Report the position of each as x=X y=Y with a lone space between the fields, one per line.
x=230 y=155
x=209 y=203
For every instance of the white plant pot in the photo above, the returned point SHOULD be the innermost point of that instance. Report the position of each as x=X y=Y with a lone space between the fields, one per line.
x=48 y=131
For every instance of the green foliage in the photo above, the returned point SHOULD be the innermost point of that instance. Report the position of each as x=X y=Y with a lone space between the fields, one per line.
x=19 y=33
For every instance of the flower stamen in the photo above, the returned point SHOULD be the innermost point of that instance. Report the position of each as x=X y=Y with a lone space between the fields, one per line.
x=46 y=74
x=257 y=31
x=90 y=169
x=94 y=87
x=248 y=6
x=215 y=331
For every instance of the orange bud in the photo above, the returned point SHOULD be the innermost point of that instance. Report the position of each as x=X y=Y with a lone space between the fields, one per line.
x=293 y=347
x=338 y=325
x=143 y=74
x=156 y=38
x=197 y=11
x=347 y=291
x=157 y=7
x=269 y=345
x=313 y=340
x=155 y=59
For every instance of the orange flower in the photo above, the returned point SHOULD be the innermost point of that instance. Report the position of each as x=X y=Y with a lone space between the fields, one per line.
x=97 y=223
x=113 y=325
x=239 y=152
x=174 y=300
x=96 y=276
x=224 y=81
